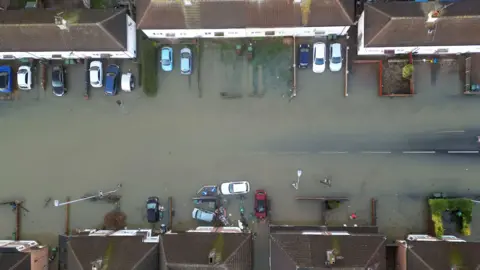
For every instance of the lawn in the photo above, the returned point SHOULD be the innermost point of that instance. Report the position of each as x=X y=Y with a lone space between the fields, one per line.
x=438 y=206
x=148 y=63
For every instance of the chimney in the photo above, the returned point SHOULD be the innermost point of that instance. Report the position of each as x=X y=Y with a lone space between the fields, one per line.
x=330 y=258
x=214 y=257
x=61 y=22
x=433 y=16
x=97 y=265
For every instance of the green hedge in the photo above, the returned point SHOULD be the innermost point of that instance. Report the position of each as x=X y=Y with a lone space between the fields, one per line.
x=148 y=62
x=438 y=206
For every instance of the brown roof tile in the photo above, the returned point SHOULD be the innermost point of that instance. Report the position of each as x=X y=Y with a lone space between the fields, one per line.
x=14 y=260
x=294 y=250
x=397 y=24
x=126 y=252
x=440 y=255
x=89 y=30
x=219 y=14
x=191 y=250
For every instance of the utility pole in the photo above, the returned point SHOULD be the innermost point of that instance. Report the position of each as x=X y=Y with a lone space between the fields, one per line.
x=100 y=195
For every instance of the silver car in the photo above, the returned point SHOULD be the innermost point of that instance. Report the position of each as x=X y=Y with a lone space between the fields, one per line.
x=186 y=61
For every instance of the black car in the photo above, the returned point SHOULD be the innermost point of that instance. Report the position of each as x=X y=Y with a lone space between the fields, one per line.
x=58 y=81
x=153 y=210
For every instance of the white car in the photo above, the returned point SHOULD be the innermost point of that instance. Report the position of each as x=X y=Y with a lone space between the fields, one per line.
x=233 y=188
x=24 y=78
x=96 y=74
x=335 y=57
x=318 y=65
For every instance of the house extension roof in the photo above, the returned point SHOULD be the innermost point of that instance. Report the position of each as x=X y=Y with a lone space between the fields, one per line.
x=191 y=250
x=291 y=251
x=443 y=255
x=397 y=24
x=89 y=30
x=120 y=252
x=14 y=260
x=221 y=14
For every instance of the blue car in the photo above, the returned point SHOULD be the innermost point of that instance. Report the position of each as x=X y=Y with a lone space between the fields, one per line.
x=166 y=59
x=6 y=79
x=303 y=55
x=111 y=81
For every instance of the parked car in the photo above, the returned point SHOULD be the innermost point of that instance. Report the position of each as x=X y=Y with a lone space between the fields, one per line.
x=319 y=57
x=111 y=81
x=303 y=55
x=6 y=79
x=58 y=81
x=153 y=209
x=167 y=58
x=203 y=215
x=186 y=61
x=24 y=78
x=233 y=188
x=96 y=74
x=335 y=57
x=261 y=204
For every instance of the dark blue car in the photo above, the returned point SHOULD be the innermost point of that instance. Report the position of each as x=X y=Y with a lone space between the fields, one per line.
x=111 y=80
x=303 y=55
x=6 y=80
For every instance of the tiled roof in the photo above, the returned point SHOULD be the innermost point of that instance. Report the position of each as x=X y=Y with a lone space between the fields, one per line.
x=120 y=252
x=221 y=14
x=89 y=30
x=191 y=251
x=291 y=251
x=396 y=24
x=14 y=260
x=443 y=255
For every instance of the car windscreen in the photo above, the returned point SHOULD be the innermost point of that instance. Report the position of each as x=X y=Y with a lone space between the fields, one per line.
x=319 y=61
x=22 y=71
x=230 y=188
x=336 y=60
x=185 y=55
x=261 y=206
x=3 y=80
x=56 y=79
x=151 y=205
x=304 y=50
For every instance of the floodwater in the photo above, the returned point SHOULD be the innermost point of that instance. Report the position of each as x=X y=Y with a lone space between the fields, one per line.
x=173 y=144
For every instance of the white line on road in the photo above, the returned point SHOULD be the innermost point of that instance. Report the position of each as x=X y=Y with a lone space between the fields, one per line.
x=376 y=152
x=463 y=152
x=418 y=152
x=452 y=131
x=333 y=152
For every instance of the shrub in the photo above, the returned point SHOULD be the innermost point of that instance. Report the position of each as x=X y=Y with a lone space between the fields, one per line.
x=437 y=224
x=407 y=71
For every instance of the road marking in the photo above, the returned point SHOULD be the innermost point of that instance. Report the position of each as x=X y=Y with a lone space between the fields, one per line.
x=418 y=152
x=376 y=152
x=463 y=152
x=452 y=131
x=333 y=152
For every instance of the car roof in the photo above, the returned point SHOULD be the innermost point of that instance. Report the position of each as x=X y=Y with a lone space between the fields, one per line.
x=185 y=50
x=336 y=49
x=113 y=68
x=319 y=49
x=239 y=187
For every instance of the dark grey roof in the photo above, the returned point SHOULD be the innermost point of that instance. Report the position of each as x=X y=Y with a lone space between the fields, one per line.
x=221 y=14
x=396 y=24
x=191 y=251
x=443 y=255
x=89 y=30
x=291 y=251
x=14 y=260
x=122 y=252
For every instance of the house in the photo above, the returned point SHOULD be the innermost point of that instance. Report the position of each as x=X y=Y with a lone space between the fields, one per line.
x=420 y=252
x=23 y=255
x=319 y=247
x=419 y=28
x=68 y=34
x=102 y=249
x=204 y=250
x=240 y=19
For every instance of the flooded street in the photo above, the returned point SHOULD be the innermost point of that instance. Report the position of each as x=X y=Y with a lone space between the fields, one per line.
x=173 y=144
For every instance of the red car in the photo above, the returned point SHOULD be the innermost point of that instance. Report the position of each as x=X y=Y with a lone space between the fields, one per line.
x=261 y=204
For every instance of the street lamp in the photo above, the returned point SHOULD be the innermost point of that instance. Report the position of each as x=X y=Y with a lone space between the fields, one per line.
x=295 y=184
x=100 y=195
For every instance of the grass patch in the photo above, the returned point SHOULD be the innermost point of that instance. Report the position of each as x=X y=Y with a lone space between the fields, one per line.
x=148 y=62
x=438 y=206
x=97 y=4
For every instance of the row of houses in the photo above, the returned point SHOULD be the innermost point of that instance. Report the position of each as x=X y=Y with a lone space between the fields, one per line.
x=380 y=29
x=290 y=248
